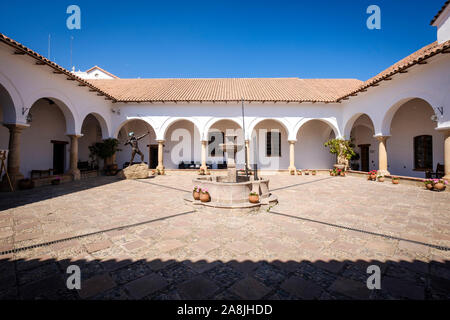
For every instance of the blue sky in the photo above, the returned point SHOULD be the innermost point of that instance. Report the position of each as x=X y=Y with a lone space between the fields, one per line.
x=225 y=38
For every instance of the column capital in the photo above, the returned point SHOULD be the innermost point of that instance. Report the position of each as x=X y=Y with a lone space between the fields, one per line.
x=382 y=138
x=160 y=141
x=75 y=135
x=16 y=127
x=292 y=141
x=204 y=141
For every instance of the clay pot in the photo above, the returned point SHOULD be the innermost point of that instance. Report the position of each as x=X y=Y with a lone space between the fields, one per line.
x=439 y=186
x=342 y=174
x=292 y=173
x=396 y=181
x=204 y=197
x=253 y=198
x=373 y=177
x=314 y=173
x=381 y=179
x=196 y=195
x=429 y=186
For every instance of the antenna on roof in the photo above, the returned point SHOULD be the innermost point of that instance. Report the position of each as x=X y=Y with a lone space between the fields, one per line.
x=49 y=40
x=71 y=45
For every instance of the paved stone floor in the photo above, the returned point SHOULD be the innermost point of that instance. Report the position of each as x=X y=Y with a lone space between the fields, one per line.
x=139 y=240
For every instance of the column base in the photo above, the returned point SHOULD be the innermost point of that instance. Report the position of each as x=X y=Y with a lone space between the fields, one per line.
x=383 y=173
x=76 y=174
x=160 y=167
x=205 y=168
x=4 y=184
x=290 y=169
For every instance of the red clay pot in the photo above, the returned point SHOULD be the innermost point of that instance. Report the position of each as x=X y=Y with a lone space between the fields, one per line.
x=204 y=197
x=253 y=198
x=196 y=195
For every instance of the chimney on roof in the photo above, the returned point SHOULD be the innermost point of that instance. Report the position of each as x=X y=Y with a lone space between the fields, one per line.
x=442 y=22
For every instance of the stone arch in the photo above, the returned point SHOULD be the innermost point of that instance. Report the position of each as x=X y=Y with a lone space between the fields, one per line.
x=331 y=123
x=213 y=121
x=10 y=100
x=65 y=105
x=120 y=126
x=103 y=124
x=385 y=127
x=255 y=122
x=169 y=122
x=351 y=121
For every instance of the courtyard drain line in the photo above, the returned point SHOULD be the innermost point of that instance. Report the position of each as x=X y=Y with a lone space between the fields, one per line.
x=442 y=248
x=46 y=244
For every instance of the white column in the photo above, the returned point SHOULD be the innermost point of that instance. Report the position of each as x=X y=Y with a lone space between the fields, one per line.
x=382 y=156
x=160 y=155
x=204 y=146
x=447 y=155
x=73 y=170
x=292 y=155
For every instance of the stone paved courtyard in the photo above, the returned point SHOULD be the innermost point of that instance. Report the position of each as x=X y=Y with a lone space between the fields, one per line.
x=139 y=240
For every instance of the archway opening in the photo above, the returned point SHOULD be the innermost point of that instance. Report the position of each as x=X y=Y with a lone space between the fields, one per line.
x=92 y=133
x=271 y=151
x=365 y=145
x=7 y=115
x=414 y=146
x=182 y=142
x=216 y=135
x=147 y=144
x=45 y=144
x=310 y=152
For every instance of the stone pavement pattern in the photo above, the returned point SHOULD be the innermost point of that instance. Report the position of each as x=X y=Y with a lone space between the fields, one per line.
x=144 y=242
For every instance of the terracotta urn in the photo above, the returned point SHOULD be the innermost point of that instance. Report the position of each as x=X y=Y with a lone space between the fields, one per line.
x=429 y=186
x=381 y=179
x=373 y=177
x=253 y=198
x=204 y=197
x=196 y=195
x=439 y=186
x=395 y=181
x=314 y=173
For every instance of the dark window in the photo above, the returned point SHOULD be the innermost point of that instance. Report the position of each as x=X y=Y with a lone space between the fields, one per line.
x=423 y=152
x=214 y=137
x=273 y=144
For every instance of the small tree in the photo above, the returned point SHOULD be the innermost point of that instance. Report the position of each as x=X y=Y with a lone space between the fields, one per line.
x=105 y=149
x=343 y=149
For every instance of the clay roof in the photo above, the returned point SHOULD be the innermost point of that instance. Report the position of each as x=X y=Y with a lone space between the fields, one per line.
x=227 y=89
x=233 y=89
x=440 y=11
x=418 y=57
x=21 y=49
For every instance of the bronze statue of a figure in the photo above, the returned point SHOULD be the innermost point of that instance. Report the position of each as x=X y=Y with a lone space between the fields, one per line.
x=133 y=142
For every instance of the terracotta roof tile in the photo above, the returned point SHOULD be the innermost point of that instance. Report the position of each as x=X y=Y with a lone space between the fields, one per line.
x=227 y=89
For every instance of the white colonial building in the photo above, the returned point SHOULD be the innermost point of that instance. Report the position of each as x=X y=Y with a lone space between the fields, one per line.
x=399 y=120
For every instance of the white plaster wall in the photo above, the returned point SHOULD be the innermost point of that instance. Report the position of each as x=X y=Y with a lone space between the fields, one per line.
x=274 y=162
x=443 y=25
x=182 y=143
x=361 y=134
x=36 y=152
x=412 y=119
x=310 y=153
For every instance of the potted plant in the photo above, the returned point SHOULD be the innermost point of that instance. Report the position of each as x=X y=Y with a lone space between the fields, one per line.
x=440 y=184
x=106 y=150
x=429 y=184
x=395 y=180
x=342 y=172
x=25 y=184
x=56 y=180
x=313 y=172
x=380 y=178
x=343 y=149
x=292 y=172
x=196 y=193
x=253 y=197
x=372 y=175
x=332 y=172
x=201 y=172
x=306 y=172
x=299 y=172
x=204 y=195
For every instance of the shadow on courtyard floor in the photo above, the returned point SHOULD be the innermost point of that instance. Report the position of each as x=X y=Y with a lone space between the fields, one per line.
x=172 y=280
x=19 y=198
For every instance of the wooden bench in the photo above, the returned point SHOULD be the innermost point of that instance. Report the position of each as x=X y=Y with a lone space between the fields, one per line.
x=41 y=173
